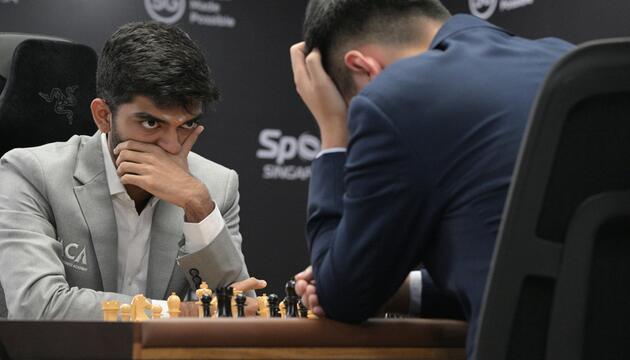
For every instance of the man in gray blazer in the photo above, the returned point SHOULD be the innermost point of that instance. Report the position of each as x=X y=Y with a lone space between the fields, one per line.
x=130 y=209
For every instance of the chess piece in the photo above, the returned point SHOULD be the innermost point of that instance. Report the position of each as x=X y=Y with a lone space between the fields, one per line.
x=283 y=309
x=204 y=287
x=274 y=310
x=213 y=307
x=240 y=300
x=228 y=301
x=203 y=290
x=139 y=304
x=205 y=300
x=302 y=309
x=125 y=312
x=110 y=310
x=291 y=299
x=224 y=297
x=233 y=304
x=263 y=305
x=194 y=274
x=220 y=294
x=156 y=312
x=174 y=304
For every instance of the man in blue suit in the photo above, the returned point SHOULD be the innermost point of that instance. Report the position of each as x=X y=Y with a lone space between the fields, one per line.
x=416 y=169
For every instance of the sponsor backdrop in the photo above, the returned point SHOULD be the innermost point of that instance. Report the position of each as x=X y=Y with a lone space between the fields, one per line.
x=260 y=128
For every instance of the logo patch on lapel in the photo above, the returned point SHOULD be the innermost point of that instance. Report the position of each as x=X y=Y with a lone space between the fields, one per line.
x=74 y=256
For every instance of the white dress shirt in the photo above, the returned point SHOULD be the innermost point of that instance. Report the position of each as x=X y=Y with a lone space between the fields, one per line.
x=134 y=231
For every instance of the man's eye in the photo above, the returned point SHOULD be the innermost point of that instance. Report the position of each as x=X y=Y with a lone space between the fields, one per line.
x=190 y=124
x=149 y=124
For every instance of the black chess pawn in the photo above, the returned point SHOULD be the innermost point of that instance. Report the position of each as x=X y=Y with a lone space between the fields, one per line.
x=229 y=293
x=274 y=306
x=220 y=294
x=291 y=299
x=302 y=309
x=205 y=301
x=224 y=301
x=240 y=304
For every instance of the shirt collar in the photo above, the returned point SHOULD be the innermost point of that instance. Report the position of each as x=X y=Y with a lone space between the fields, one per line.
x=457 y=23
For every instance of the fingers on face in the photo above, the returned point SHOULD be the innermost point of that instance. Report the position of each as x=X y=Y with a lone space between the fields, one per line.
x=135 y=146
x=133 y=156
x=191 y=140
x=127 y=167
x=133 y=179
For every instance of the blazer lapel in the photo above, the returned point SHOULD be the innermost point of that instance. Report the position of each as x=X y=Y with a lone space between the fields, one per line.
x=166 y=233
x=93 y=196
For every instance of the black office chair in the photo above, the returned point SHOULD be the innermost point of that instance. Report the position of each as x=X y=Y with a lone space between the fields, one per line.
x=46 y=86
x=559 y=287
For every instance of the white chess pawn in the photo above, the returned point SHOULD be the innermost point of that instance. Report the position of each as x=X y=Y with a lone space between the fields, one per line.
x=156 y=312
x=125 y=312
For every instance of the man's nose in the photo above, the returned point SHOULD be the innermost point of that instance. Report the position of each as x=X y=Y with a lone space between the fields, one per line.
x=169 y=141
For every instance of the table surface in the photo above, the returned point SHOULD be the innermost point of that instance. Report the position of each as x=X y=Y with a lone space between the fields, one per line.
x=234 y=338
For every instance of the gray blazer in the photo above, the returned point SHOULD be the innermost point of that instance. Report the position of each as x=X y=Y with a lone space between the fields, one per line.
x=58 y=235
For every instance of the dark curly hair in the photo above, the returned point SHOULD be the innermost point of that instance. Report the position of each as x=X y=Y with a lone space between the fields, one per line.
x=155 y=60
x=333 y=25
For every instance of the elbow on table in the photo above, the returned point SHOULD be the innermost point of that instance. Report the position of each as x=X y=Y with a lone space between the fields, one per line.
x=344 y=307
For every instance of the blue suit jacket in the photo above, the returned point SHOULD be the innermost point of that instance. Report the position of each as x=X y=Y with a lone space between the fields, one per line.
x=433 y=142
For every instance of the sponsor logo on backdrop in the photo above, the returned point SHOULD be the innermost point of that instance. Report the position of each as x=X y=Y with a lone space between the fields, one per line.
x=291 y=155
x=486 y=8
x=166 y=11
x=200 y=12
x=62 y=102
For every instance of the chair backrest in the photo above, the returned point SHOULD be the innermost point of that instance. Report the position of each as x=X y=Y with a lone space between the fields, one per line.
x=46 y=85
x=559 y=286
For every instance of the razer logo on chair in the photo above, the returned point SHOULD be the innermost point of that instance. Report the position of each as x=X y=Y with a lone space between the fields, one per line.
x=62 y=101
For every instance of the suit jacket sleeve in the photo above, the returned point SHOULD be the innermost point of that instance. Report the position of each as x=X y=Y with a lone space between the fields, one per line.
x=222 y=262
x=438 y=303
x=31 y=271
x=368 y=216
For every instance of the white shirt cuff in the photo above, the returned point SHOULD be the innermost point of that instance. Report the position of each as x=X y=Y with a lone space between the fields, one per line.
x=164 y=305
x=330 y=151
x=199 y=235
x=415 y=292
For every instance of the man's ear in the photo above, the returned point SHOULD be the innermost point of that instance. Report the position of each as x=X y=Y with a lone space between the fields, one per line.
x=362 y=64
x=102 y=115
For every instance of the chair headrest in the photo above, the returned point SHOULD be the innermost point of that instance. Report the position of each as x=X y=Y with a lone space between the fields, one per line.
x=50 y=83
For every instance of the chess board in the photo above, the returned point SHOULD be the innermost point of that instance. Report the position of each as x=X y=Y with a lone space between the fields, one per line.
x=222 y=302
